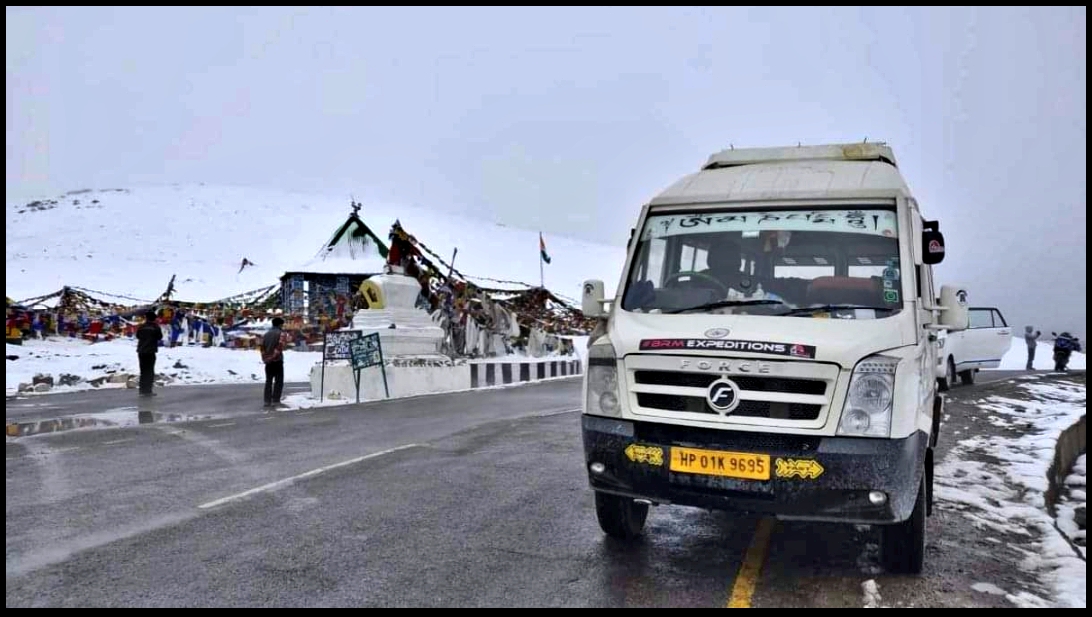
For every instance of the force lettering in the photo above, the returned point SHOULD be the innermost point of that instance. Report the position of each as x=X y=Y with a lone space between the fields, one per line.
x=777 y=349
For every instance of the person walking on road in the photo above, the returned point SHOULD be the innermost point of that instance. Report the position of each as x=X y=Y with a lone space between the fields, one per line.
x=1032 y=339
x=273 y=356
x=148 y=336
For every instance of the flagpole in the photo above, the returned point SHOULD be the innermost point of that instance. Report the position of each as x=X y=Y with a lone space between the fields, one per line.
x=541 y=273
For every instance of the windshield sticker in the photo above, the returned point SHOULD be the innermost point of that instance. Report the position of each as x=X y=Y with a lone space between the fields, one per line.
x=777 y=349
x=891 y=296
x=872 y=222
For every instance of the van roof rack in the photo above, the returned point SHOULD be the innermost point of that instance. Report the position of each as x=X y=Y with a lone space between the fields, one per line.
x=862 y=151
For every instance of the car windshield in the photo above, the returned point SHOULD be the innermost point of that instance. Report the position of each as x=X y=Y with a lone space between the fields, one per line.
x=841 y=263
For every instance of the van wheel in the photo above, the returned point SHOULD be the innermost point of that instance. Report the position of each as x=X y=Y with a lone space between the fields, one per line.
x=904 y=543
x=944 y=384
x=967 y=377
x=620 y=517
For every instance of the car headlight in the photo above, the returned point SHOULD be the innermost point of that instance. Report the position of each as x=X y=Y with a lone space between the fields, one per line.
x=871 y=398
x=602 y=380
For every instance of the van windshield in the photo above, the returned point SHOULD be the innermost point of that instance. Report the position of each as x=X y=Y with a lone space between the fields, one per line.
x=841 y=263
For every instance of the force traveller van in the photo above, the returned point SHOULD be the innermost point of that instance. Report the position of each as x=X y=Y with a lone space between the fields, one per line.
x=772 y=348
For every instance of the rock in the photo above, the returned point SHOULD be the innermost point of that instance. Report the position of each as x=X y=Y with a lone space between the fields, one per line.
x=40 y=378
x=132 y=383
x=165 y=378
x=26 y=387
x=119 y=378
x=98 y=381
x=42 y=387
x=12 y=358
x=178 y=364
x=68 y=379
x=98 y=367
x=231 y=372
x=1079 y=514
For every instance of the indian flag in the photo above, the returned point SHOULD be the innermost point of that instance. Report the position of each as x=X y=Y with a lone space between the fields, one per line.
x=542 y=248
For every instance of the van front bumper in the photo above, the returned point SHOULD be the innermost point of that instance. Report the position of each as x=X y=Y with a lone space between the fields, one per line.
x=810 y=478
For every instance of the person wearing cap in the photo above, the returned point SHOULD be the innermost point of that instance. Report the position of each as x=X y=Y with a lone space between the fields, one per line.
x=148 y=336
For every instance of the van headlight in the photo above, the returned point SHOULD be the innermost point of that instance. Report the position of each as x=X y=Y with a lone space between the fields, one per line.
x=871 y=398
x=602 y=380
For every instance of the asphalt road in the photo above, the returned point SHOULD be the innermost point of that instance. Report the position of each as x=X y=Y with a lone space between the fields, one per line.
x=470 y=499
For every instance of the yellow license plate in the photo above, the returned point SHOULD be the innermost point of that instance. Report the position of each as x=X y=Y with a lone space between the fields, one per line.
x=742 y=465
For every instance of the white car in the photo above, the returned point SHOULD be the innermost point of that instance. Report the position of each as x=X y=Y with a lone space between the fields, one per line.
x=986 y=340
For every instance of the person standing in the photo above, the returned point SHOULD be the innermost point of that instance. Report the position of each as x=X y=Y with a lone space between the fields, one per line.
x=1033 y=341
x=273 y=357
x=148 y=335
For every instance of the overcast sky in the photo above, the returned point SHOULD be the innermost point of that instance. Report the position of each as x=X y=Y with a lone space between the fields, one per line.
x=568 y=119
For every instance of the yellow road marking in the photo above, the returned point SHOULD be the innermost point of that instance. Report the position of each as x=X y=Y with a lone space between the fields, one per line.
x=744 y=587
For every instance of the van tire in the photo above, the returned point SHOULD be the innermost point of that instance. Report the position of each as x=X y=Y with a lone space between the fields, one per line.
x=904 y=543
x=945 y=383
x=967 y=377
x=620 y=517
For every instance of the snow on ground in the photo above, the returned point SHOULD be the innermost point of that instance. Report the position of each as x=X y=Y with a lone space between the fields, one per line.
x=1016 y=359
x=1007 y=494
x=1074 y=497
x=186 y=365
x=202 y=233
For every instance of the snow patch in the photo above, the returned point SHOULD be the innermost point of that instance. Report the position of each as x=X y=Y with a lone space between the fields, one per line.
x=1016 y=358
x=200 y=365
x=1008 y=495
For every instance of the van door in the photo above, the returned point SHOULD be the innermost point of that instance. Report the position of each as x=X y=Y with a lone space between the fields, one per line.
x=986 y=340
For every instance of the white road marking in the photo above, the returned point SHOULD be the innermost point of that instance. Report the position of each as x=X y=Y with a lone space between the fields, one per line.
x=219 y=425
x=265 y=419
x=110 y=443
x=308 y=474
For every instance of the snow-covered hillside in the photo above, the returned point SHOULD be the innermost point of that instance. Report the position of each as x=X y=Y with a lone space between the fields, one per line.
x=130 y=241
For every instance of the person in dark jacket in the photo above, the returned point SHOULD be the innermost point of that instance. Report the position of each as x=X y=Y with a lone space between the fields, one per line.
x=273 y=357
x=148 y=335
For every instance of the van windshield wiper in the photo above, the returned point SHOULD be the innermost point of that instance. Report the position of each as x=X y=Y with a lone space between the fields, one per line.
x=723 y=303
x=834 y=307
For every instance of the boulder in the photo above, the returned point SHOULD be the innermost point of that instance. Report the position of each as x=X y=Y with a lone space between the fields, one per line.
x=40 y=378
x=132 y=383
x=42 y=387
x=68 y=379
x=119 y=378
x=26 y=387
x=98 y=381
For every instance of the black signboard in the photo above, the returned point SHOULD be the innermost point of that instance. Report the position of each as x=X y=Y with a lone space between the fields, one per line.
x=365 y=352
x=336 y=344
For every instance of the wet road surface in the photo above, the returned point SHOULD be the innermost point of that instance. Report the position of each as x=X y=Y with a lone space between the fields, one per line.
x=471 y=499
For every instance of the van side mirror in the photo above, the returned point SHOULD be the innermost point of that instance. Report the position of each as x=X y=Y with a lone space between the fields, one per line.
x=591 y=303
x=954 y=314
x=932 y=243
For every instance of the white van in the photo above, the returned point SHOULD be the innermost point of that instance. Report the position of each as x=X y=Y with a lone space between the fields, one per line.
x=981 y=343
x=772 y=348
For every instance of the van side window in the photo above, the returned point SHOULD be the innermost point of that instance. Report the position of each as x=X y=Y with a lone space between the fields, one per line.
x=981 y=318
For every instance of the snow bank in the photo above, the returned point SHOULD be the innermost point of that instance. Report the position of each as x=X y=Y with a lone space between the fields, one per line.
x=186 y=365
x=1016 y=358
x=1009 y=496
